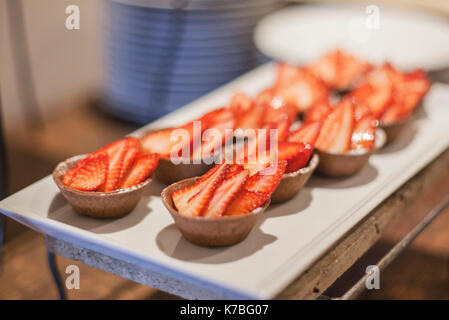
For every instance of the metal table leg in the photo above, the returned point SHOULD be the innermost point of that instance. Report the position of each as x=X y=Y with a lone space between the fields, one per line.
x=55 y=274
x=358 y=288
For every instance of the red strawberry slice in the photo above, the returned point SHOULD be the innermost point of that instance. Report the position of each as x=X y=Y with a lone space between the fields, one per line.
x=200 y=201
x=215 y=117
x=67 y=179
x=308 y=133
x=268 y=98
x=305 y=91
x=267 y=180
x=300 y=161
x=393 y=113
x=289 y=150
x=339 y=70
x=235 y=168
x=287 y=74
x=350 y=70
x=91 y=174
x=376 y=91
x=251 y=119
x=181 y=197
x=416 y=86
x=257 y=164
x=225 y=193
x=361 y=110
x=240 y=103
x=218 y=131
x=318 y=112
x=158 y=142
x=130 y=156
x=283 y=127
x=183 y=143
x=326 y=68
x=246 y=201
x=256 y=146
x=277 y=111
x=364 y=134
x=336 y=131
x=141 y=170
x=116 y=152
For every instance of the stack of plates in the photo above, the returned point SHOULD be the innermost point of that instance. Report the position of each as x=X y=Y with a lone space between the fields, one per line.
x=161 y=56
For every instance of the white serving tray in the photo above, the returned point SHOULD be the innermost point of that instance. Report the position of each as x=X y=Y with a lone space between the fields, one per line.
x=289 y=236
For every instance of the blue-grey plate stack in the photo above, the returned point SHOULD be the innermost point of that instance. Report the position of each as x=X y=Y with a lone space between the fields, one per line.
x=162 y=54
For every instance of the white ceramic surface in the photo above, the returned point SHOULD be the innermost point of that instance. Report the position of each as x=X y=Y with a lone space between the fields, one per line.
x=288 y=238
x=407 y=38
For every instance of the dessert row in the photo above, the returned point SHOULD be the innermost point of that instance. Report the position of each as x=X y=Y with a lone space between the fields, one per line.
x=226 y=167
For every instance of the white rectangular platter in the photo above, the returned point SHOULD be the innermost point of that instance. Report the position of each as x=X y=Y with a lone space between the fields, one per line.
x=288 y=238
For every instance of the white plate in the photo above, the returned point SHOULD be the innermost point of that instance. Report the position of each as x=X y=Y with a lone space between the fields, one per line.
x=407 y=38
x=289 y=236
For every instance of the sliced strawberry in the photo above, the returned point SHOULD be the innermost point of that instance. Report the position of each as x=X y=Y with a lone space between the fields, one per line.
x=416 y=86
x=283 y=127
x=235 y=168
x=267 y=181
x=225 y=193
x=130 y=156
x=268 y=98
x=158 y=142
x=278 y=111
x=246 y=201
x=199 y=202
x=361 y=110
x=408 y=89
x=183 y=145
x=289 y=150
x=287 y=74
x=141 y=170
x=91 y=174
x=67 y=179
x=339 y=70
x=306 y=91
x=301 y=160
x=218 y=131
x=364 y=134
x=255 y=165
x=299 y=87
x=251 y=119
x=351 y=71
x=240 y=103
x=336 y=131
x=308 y=133
x=376 y=91
x=116 y=152
x=326 y=68
x=256 y=146
x=181 y=197
x=318 y=112
x=393 y=113
x=216 y=116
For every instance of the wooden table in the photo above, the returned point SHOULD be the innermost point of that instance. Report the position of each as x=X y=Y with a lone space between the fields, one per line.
x=309 y=285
